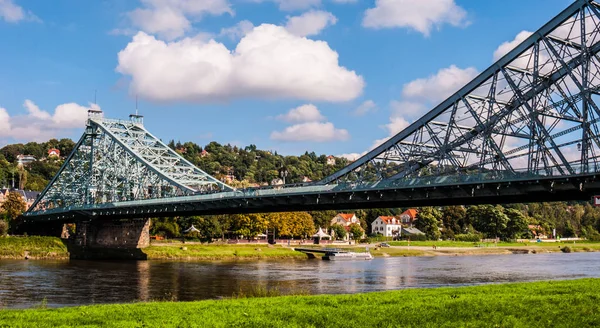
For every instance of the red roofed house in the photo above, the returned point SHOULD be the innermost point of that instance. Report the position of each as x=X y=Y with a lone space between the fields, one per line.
x=389 y=226
x=330 y=160
x=53 y=152
x=408 y=216
x=345 y=219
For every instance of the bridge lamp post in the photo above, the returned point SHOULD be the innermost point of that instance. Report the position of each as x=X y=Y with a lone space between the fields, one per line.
x=283 y=173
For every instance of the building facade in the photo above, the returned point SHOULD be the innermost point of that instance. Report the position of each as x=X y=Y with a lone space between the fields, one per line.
x=388 y=226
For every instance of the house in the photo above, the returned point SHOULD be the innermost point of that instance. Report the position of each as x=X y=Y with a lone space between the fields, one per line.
x=410 y=232
x=407 y=217
x=28 y=196
x=276 y=182
x=24 y=160
x=537 y=231
x=345 y=219
x=330 y=160
x=306 y=179
x=204 y=153
x=53 y=153
x=389 y=226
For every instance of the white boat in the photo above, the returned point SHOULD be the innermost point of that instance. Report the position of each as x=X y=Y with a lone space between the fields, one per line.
x=343 y=256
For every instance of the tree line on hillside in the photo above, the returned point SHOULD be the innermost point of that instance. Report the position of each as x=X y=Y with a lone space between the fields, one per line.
x=250 y=165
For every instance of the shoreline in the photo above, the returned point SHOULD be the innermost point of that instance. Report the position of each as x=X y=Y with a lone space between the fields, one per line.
x=51 y=248
x=505 y=305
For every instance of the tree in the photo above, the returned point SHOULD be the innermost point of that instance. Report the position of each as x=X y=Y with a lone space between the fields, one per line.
x=356 y=231
x=517 y=224
x=166 y=227
x=489 y=220
x=14 y=205
x=339 y=231
x=428 y=221
x=453 y=218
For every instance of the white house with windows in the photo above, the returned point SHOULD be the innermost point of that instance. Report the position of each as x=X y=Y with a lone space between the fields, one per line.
x=389 y=226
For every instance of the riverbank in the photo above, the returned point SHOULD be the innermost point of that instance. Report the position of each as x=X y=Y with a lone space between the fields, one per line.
x=571 y=303
x=55 y=248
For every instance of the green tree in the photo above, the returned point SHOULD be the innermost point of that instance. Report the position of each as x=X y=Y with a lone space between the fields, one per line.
x=489 y=220
x=428 y=221
x=165 y=227
x=453 y=218
x=357 y=231
x=339 y=231
x=14 y=205
x=517 y=224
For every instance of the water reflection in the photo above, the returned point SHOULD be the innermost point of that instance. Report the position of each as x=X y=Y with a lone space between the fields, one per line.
x=64 y=283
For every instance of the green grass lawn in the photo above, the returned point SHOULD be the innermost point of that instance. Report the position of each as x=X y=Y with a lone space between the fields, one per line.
x=35 y=247
x=218 y=252
x=574 y=303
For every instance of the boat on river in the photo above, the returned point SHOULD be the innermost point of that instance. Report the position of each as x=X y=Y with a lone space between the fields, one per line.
x=335 y=254
x=344 y=256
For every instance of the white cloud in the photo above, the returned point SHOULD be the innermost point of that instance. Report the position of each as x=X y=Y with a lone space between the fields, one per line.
x=409 y=109
x=4 y=122
x=268 y=62
x=310 y=23
x=351 y=156
x=419 y=15
x=238 y=31
x=364 y=108
x=12 y=13
x=35 y=111
x=345 y=1
x=507 y=46
x=311 y=131
x=40 y=125
x=439 y=86
x=171 y=19
x=291 y=5
x=301 y=114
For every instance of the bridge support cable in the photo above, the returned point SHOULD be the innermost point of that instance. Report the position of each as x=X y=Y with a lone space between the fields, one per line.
x=532 y=113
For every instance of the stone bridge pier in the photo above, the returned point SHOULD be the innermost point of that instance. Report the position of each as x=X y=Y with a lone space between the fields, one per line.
x=115 y=234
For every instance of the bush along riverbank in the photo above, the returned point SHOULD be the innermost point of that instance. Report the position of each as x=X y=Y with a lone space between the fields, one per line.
x=571 y=303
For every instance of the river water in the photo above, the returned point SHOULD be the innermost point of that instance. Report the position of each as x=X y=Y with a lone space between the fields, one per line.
x=25 y=284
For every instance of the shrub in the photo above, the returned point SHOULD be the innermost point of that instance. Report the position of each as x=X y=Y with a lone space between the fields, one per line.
x=3 y=228
x=471 y=237
x=566 y=249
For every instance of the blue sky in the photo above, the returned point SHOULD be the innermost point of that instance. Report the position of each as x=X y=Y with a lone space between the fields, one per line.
x=330 y=76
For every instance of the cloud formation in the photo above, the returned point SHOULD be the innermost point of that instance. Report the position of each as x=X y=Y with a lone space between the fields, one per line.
x=310 y=126
x=268 y=62
x=310 y=23
x=13 y=13
x=171 y=19
x=507 y=46
x=419 y=15
x=366 y=107
x=40 y=125
x=304 y=113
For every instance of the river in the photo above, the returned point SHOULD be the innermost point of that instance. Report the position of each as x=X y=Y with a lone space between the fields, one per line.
x=25 y=284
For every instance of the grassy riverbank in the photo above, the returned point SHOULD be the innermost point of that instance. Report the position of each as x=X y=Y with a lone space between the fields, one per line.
x=572 y=303
x=55 y=248
x=33 y=247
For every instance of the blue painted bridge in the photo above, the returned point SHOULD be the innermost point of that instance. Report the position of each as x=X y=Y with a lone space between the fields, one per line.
x=525 y=130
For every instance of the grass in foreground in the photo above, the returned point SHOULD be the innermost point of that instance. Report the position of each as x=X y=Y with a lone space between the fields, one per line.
x=572 y=303
x=35 y=247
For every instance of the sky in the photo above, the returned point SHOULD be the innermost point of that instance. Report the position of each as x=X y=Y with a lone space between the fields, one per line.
x=330 y=76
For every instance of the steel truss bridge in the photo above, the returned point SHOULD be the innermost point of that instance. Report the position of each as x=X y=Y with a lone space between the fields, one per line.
x=525 y=130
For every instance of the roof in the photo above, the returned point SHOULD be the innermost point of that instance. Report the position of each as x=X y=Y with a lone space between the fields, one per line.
x=321 y=234
x=346 y=216
x=411 y=212
x=387 y=219
x=412 y=231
